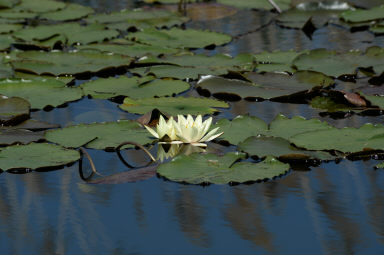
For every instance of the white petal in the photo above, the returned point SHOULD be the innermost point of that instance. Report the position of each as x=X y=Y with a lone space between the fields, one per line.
x=207 y=124
x=199 y=144
x=153 y=132
x=214 y=136
x=208 y=136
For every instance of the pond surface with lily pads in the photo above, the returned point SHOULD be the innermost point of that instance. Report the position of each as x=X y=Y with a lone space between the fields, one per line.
x=149 y=127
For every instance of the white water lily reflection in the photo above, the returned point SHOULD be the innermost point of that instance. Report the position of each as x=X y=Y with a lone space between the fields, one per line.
x=168 y=151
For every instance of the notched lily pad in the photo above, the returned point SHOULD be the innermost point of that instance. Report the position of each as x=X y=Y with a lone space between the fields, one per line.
x=9 y=136
x=36 y=156
x=173 y=105
x=210 y=168
x=13 y=110
x=107 y=135
x=178 y=38
x=133 y=87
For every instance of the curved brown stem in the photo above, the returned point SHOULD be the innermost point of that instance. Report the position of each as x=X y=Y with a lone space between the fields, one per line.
x=94 y=171
x=138 y=145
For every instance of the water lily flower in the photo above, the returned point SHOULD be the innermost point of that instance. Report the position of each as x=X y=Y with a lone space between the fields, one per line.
x=165 y=131
x=195 y=131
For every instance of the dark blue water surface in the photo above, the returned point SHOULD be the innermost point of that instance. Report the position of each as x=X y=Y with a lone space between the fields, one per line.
x=334 y=208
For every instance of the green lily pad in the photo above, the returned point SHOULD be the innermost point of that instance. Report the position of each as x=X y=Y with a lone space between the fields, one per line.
x=375 y=100
x=285 y=127
x=66 y=79
x=128 y=48
x=267 y=86
x=330 y=104
x=38 y=6
x=345 y=139
x=337 y=64
x=61 y=63
x=40 y=93
x=260 y=4
x=72 y=32
x=381 y=165
x=8 y=3
x=138 y=18
x=104 y=135
x=249 y=126
x=5 y=42
x=35 y=125
x=5 y=68
x=173 y=105
x=70 y=12
x=13 y=110
x=133 y=87
x=178 y=38
x=35 y=156
x=19 y=136
x=279 y=147
x=178 y=72
x=8 y=28
x=210 y=168
x=277 y=61
x=359 y=15
x=17 y=16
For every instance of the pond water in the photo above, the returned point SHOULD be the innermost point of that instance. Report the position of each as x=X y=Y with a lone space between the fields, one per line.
x=333 y=208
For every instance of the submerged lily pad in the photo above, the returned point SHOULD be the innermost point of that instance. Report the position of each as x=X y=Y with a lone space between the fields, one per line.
x=13 y=110
x=173 y=105
x=133 y=87
x=40 y=93
x=345 y=139
x=279 y=147
x=337 y=64
x=61 y=63
x=210 y=168
x=35 y=156
x=359 y=15
x=267 y=86
x=178 y=38
x=106 y=135
x=249 y=126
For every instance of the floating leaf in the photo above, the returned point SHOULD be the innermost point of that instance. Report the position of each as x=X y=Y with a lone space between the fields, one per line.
x=133 y=87
x=39 y=6
x=375 y=100
x=5 y=42
x=345 y=139
x=35 y=156
x=40 y=93
x=60 y=63
x=106 y=135
x=13 y=110
x=267 y=86
x=19 y=136
x=70 y=12
x=173 y=105
x=8 y=3
x=17 y=16
x=35 y=125
x=249 y=126
x=277 y=61
x=359 y=15
x=337 y=64
x=210 y=168
x=279 y=147
x=8 y=28
x=178 y=38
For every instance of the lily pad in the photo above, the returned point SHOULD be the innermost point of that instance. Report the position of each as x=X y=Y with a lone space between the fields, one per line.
x=173 y=105
x=5 y=42
x=178 y=38
x=337 y=64
x=61 y=63
x=70 y=12
x=345 y=139
x=72 y=32
x=210 y=168
x=249 y=126
x=260 y=4
x=267 y=86
x=19 y=136
x=178 y=72
x=13 y=110
x=359 y=15
x=17 y=16
x=106 y=135
x=277 y=61
x=40 y=93
x=279 y=147
x=128 y=48
x=35 y=156
x=330 y=104
x=8 y=28
x=38 y=6
x=35 y=125
x=375 y=100
x=133 y=87
x=8 y=3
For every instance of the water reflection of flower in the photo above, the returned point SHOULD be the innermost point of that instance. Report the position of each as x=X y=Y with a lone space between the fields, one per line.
x=166 y=151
